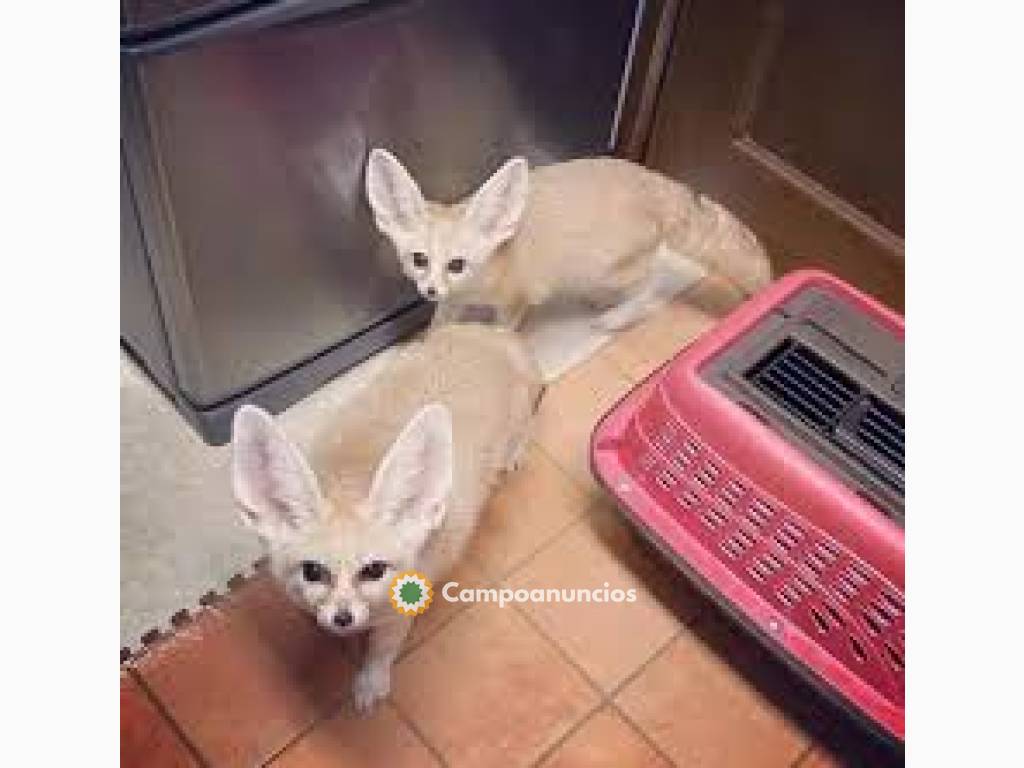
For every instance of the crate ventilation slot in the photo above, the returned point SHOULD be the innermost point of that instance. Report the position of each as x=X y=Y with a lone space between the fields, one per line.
x=805 y=384
x=824 y=588
x=808 y=387
x=882 y=427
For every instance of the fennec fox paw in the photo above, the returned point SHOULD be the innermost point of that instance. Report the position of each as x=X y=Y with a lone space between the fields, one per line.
x=372 y=683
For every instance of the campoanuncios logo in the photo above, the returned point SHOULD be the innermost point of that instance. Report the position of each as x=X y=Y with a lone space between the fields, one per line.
x=411 y=593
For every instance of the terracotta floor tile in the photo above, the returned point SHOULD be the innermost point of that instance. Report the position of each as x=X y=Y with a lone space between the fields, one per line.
x=641 y=349
x=533 y=504
x=245 y=678
x=701 y=712
x=608 y=640
x=489 y=690
x=661 y=578
x=345 y=740
x=605 y=740
x=147 y=739
x=832 y=729
x=571 y=409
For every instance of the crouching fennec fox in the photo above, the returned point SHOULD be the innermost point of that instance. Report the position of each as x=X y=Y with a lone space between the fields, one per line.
x=603 y=230
x=396 y=482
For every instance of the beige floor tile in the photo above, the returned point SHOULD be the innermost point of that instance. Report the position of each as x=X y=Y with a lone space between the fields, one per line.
x=571 y=409
x=605 y=740
x=489 y=690
x=701 y=712
x=641 y=349
x=536 y=502
x=609 y=640
x=836 y=735
x=349 y=741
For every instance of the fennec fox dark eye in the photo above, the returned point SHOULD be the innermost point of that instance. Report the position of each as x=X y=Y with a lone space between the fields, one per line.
x=315 y=572
x=373 y=571
x=419 y=260
x=456 y=265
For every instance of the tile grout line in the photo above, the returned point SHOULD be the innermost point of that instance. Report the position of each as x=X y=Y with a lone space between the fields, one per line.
x=606 y=698
x=497 y=578
x=518 y=564
x=646 y=737
x=576 y=482
x=629 y=679
x=418 y=732
x=407 y=649
x=707 y=621
x=582 y=516
x=569 y=733
x=558 y=465
x=162 y=710
x=646 y=663
x=330 y=710
x=803 y=755
x=420 y=642
x=339 y=706
x=559 y=650
x=602 y=699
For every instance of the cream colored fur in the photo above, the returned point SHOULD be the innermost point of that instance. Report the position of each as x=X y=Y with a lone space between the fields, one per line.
x=399 y=476
x=601 y=229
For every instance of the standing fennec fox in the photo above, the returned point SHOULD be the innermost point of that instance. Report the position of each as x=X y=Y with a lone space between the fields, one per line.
x=603 y=230
x=396 y=482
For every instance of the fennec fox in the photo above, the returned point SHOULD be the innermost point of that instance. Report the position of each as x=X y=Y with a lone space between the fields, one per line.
x=396 y=482
x=606 y=231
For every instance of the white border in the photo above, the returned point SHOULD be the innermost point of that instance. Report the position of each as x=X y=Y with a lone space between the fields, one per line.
x=965 y=383
x=60 y=386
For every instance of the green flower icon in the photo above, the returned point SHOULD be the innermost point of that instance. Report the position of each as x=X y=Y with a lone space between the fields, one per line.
x=411 y=593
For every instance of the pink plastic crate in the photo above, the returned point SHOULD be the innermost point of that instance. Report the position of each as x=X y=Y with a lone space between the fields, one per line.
x=786 y=508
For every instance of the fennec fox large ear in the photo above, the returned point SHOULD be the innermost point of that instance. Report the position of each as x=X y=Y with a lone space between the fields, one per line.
x=415 y=477
x=494 y=212
x=272 y=480
x=397 y=203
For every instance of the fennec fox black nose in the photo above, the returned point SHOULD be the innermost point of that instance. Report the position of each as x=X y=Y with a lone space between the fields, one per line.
x=431 y=292
x=343 y=618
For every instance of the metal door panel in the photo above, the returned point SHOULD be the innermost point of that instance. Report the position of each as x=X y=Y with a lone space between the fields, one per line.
x=257 y=139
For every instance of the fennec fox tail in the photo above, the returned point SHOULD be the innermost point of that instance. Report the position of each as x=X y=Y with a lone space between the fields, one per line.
x=600 y=229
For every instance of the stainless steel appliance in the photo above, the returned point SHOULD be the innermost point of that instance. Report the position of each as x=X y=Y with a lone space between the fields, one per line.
x=250 y=267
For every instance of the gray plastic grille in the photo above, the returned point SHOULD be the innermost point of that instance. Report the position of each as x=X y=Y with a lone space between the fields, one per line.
x=811 y=388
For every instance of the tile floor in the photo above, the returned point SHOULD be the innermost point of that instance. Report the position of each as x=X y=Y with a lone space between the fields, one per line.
x=663 y=681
